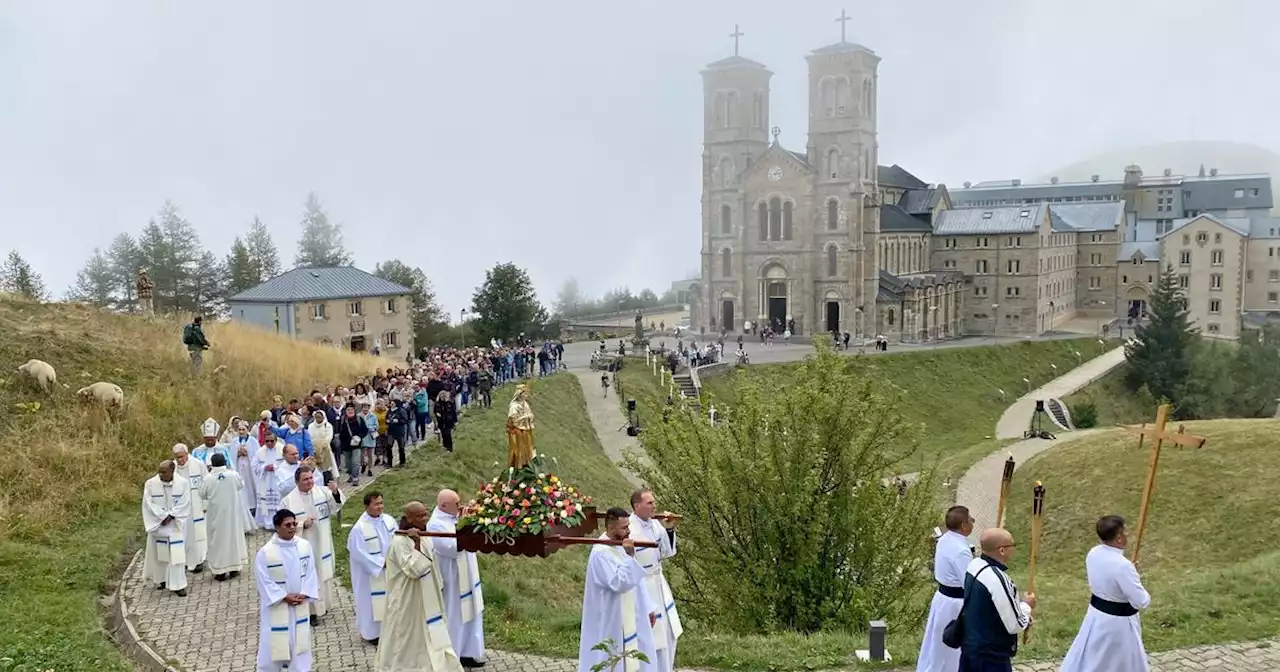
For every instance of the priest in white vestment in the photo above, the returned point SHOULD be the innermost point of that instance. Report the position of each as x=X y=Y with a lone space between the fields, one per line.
x=312 y=505
x=166 y=506
x=266 y=461
x=243 y=447
x=414 y=637
x=615 y=603
x=197 y=531
x=285 y=570
x=645 y=527
x=951 y=558
x=225 y=519
x=460 y=580
x=210 y=446
x=1110 y=639
x=367 y=546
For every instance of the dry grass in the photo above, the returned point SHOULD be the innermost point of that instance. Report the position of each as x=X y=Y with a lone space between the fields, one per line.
x=1208 y=558
x=70 y=479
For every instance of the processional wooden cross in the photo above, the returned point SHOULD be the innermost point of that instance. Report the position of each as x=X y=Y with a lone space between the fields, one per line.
x=1160 y=435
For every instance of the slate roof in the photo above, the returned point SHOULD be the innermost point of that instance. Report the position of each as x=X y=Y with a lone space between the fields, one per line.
x=735 y=62
x=1264 y=227
x=1005 y=191
x=1238 y=224
x=318 y=284
x=921 y=201
x=891 y=288
x=1218 y=192
x=1149 y=249
x=1105 y=216
x=897 y=176
x=1002 y=219
x=894 y=219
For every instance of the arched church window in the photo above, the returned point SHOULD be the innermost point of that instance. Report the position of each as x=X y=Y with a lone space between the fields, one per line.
x=866 y=97
x=831 y=261
x=726 y=219
x=757 y=116
x=833 y=163
x=833 y=214
x=726 y=263
x=730 y=103
x=786 y=219
x=775 y=218
x=717 y=111
x=764 y=221
x=726 y=171
x=843 y=96
x=889 y=317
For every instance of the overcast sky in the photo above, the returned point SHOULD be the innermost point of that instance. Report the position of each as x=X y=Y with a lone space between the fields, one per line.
x=561 y=135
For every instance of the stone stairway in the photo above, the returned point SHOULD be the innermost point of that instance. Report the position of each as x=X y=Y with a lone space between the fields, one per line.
x=1059 y=414
x=688 y=390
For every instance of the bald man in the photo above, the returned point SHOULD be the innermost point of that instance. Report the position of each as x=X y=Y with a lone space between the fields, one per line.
x=460 y=577
x=166 y=506
x=994 y=614
x=414 y=615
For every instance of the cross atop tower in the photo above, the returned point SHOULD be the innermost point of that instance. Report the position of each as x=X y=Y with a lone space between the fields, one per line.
x=844 y=18
x=735 y=35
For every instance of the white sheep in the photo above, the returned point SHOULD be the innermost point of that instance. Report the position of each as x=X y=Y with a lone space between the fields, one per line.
x=109 y=395
x=40 y=371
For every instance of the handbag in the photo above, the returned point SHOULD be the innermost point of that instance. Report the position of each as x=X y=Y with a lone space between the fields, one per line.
x=953 y=632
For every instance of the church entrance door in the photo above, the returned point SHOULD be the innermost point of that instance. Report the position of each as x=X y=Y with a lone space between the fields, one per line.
x=777 y=293
x=726 y=314
x=357 y=344
x=833 y=317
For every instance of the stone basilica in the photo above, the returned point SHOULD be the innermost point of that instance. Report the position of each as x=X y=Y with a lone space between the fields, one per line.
x=821 y=240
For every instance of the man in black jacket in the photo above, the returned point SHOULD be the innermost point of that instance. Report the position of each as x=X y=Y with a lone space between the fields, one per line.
x=994 y=616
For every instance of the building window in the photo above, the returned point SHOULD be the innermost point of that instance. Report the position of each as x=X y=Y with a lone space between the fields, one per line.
x=726 y=219
x=1248 y=275
x=775 y=218
x=1213 y=328
x=1271 y=297
x=1014 y=266
x=1215 y=306
x=980 y=267
x=949 y=263
x=1215 y=257
x=355 y=308
x=1011 y=291
x=890 y=316
x=391 y=306
x=1202 y=237
x=833 y=214
x=390 y=339
x=1239 y=193
x=950 y=244
x=1095 y=282
x=1095 y=259
x=1273 y=276
x=980 y=290
x=764 y=222
x=1184 y=281
x=1184 y=257
x=1186 y=239
x=317 y=311
x=1253 y=192
x=831 y=261
x=984 y=242
x=786 y=220
x=833 y=163
x=1217 y=237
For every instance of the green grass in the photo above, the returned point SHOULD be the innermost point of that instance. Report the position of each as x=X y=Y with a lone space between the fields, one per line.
x=1116 y=404
x=1207 y=559
x=70 y=482
x=531 y=604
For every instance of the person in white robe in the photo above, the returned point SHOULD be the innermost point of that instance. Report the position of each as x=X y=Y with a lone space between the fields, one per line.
x=285 y=570
x=210 y=445
x=166 y=506
x=460 y=582
x=615 y=603
x=367 y=546
x=197 y=531
x=313 y=505
x=243 y=447
x=1110 y=638
x=224 y=517
x=951 y=558
x=415 y=637
x=645 y=527
x=265 y=463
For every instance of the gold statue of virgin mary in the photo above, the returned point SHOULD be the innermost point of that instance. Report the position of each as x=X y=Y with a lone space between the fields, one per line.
x=520 y=429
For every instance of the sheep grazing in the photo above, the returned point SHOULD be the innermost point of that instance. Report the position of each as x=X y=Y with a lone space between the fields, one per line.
x=41 y=372
x=108 y=395
x=221 y=369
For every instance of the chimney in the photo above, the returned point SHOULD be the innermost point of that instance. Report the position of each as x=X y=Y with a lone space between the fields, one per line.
x=1213 y=172
x=1053 y=180
x=1202 y=170
x=1017 y=183
x=1168 y=172
x=967 y=184
x=1093 y=178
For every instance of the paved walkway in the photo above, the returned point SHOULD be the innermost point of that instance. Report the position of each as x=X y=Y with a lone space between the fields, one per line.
x=609 y=422
x=1017 y=417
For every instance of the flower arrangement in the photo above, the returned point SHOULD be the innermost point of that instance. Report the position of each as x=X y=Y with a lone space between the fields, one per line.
x=524 y=501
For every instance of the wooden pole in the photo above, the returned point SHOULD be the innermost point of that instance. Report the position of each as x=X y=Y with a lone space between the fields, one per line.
x=1037 y=527
x=1005 y=479
x=1162 y=417
x=553 y=539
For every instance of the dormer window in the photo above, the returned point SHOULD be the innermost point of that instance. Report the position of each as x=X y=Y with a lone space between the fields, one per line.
x=986 y=215
x=1025 y=213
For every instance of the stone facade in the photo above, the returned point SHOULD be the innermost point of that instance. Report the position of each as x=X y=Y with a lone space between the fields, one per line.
x=381 y=321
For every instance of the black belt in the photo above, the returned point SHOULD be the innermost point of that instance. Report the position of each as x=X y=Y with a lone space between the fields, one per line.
x=1112 y=608
x=951 y=591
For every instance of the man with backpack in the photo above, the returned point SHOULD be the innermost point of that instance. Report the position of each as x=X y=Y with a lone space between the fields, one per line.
x=193 y=338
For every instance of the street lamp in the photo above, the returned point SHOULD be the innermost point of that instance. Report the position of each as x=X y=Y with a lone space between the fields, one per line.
x=462 y=323
x=995 y=326
x=1104 y=308
x=933 y=323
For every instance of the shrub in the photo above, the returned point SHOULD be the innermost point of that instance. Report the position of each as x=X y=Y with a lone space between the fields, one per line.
x=1084 y=415
x=789 y=522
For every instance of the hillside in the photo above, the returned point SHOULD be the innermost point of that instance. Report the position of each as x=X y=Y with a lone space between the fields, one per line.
x=70 y=482
x=1206 y=559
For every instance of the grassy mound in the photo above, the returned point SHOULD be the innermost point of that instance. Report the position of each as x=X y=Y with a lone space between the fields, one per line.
x=1206 y=559
x=70 y=482
x=1115 y=403
x=531 y=604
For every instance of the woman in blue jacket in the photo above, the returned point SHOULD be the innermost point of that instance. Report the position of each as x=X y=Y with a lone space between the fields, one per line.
x=293 y=434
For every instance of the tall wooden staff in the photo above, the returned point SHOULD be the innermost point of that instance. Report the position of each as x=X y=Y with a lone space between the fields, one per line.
x=1160 y=435
x=1037 y=526
x=1005 y=480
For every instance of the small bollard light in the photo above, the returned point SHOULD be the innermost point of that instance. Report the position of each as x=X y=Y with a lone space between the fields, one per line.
x=876 y=651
